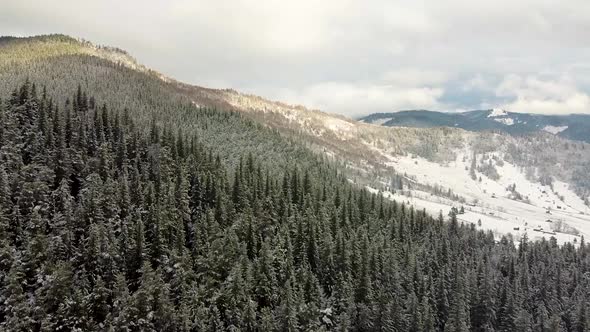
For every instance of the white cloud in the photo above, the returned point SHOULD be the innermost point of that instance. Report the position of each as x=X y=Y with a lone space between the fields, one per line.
x=546 y=96
x=266 y=28
x=415 y=77
x=478 y=82
x=354 y=99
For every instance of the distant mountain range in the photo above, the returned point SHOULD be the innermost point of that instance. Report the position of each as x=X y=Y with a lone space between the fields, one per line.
x=574 y=126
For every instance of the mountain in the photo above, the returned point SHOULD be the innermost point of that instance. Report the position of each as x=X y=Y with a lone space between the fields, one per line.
x=63 y=64
x=574 y=126
x=130 y=201
x=546 y=168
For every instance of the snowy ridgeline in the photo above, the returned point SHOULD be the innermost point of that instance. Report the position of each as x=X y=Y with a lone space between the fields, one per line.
x=508 y=204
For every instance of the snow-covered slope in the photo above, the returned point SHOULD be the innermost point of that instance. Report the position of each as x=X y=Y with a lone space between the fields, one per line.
x=506 y=121
x=508 y=204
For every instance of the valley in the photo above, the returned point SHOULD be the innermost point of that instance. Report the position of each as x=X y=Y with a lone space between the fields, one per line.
x=540 y=211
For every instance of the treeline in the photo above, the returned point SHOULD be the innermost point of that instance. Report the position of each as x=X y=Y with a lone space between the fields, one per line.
x=108 y=225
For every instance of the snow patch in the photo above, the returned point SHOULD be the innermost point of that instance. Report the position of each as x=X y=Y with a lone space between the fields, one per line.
x=506 y=121
x=497 y=112
x=555 y=129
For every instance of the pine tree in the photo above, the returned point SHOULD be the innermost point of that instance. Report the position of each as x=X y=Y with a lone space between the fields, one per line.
x=289 y=309
x=458 y=318
x=120 y=316
x=16 y=311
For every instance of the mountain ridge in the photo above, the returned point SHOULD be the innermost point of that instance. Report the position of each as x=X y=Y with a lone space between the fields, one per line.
x=60 y=44
x=570 y=126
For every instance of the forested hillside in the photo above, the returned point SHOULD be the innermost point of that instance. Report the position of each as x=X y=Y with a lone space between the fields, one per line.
x=61 y=64
x=107 y=223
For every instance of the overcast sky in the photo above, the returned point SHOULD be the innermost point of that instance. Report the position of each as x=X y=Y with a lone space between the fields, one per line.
x=343 y=56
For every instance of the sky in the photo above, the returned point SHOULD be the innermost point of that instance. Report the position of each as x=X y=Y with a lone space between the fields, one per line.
x=345 y=56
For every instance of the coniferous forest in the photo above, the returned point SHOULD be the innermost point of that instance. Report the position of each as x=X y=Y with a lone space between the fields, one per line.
x=111 y=225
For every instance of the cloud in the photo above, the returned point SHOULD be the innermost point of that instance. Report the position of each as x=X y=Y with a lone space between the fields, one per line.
x=354 y=99
x=263 y=28
x=545 y=96
x=478 y=82
x=415 y=77
x=462 y=49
